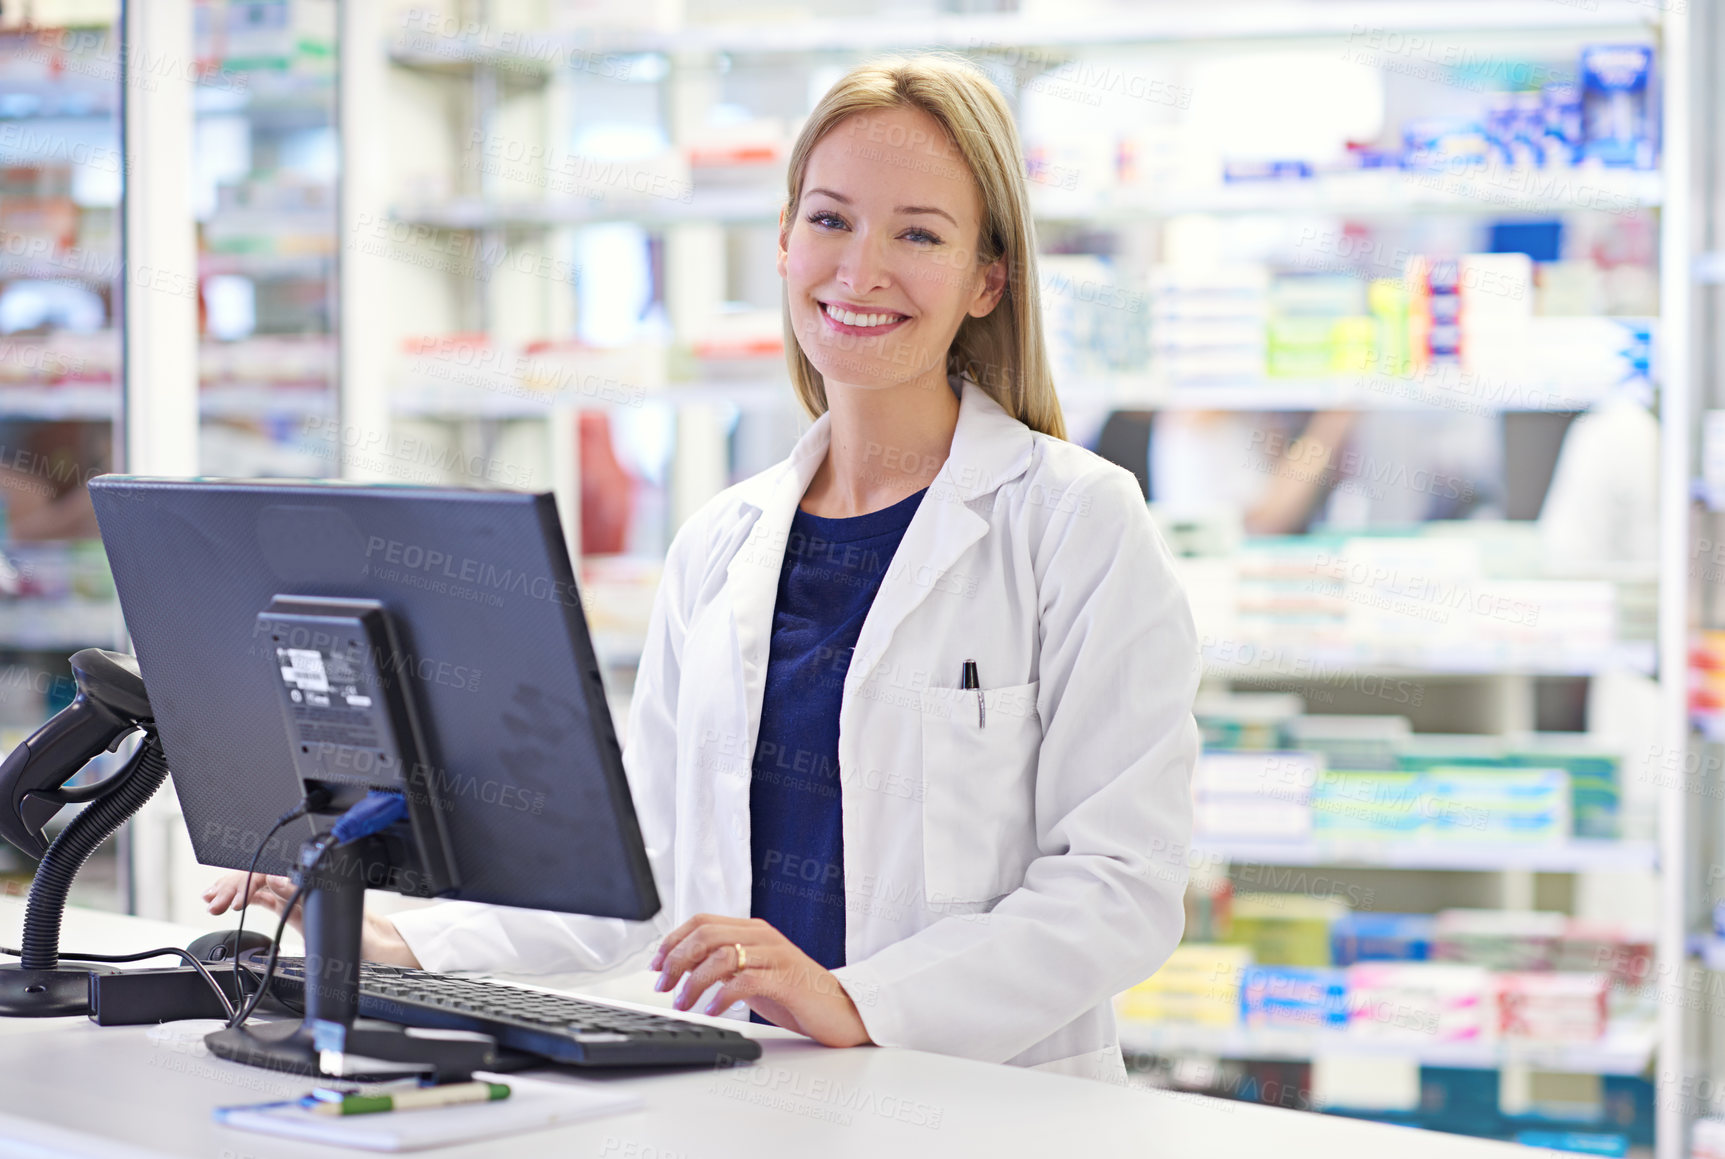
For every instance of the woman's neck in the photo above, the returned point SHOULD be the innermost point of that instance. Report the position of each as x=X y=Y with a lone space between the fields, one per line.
x=886 y=445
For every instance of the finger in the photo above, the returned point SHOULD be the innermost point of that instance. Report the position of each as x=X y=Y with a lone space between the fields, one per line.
x=273 y=893
x=694 y=949
x=677 y=935
x=220 y=895
x=261 y=893
x=715 y=968
x=698 y=937
x=742 y=985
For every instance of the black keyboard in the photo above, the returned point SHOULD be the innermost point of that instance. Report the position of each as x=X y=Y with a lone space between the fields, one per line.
x=553 y=1026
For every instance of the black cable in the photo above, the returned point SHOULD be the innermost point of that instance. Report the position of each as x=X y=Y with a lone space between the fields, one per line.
x=191 y=960
x=317 y=798
x=239 y=1019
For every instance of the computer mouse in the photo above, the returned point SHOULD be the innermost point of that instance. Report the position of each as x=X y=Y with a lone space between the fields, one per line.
x=218 y=945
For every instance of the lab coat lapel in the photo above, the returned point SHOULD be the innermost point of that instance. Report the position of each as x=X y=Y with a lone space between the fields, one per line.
x=989 y=447
x=753 y=573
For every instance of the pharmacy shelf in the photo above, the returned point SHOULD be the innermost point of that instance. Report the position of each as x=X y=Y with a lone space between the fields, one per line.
x=242 y=402
x=248 y=221
x=93 y=266
x=100 y=268
x=1384 y=192
x=494 y=397
x=1380 y=193
x=1285 y=659
x=1576 y=856
x=490 y=396
x=55 y=624
x=1624 y=1050
x=100 y=403
x=528 y=51
x=1465 y=394
x=260 y=265
x=54 y=402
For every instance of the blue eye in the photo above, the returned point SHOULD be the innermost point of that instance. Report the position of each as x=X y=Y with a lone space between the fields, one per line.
x=826 y=218
x=922 y=235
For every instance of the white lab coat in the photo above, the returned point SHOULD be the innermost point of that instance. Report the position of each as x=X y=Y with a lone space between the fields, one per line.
x=1002 y=881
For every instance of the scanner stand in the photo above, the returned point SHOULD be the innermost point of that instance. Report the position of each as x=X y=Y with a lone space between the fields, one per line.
x=110 y=704
x=331 y=1038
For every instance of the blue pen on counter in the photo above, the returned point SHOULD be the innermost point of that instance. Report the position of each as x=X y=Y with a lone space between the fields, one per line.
x=970 y=680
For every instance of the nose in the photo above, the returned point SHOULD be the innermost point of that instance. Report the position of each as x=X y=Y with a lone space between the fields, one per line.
x=862 y=266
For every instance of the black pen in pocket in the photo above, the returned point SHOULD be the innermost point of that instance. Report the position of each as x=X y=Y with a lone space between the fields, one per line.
x=970 y=681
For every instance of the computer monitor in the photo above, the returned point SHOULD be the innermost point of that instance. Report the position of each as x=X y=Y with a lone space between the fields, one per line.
x=431 y=642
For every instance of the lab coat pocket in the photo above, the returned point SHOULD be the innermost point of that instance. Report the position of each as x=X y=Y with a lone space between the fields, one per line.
x=979 y=790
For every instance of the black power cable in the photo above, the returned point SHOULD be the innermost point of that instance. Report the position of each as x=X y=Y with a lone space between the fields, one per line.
x=245 y=1012
x=316 y=800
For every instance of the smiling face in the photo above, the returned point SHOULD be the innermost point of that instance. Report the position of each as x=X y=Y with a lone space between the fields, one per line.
x=879 y=256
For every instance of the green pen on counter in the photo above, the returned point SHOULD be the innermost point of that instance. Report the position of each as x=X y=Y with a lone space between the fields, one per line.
x=417 y=1099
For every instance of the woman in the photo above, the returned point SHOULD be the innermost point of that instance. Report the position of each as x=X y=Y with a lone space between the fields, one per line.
x=911 y=738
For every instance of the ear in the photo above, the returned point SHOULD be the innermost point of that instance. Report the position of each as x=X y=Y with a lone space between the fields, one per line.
x=992 y=289
x=784 y=239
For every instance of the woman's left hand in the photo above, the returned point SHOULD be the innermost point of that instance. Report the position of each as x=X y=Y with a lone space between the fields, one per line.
x=776 y=979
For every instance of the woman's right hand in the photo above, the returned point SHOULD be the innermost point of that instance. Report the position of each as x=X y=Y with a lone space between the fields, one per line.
x=379 y=940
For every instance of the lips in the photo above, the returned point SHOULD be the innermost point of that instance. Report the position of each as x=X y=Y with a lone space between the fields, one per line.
x=849 y=319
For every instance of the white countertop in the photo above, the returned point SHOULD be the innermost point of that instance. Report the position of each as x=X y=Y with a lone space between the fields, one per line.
x=74 y=1088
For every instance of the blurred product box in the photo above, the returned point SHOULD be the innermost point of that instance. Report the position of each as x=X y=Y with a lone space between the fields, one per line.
x=1707 y=1138
x=1470 y=310
x=1250 y=819
x=1369 y=806
x=1092 y=324
x=1245 y=720
x=1552 y=1007
x=1350 y=742
x=1625 y=954
x=1595 y=772
x=1460 y=1100
x=1208 y=325
x=1284 y=929
x=48 y=223
x=1574 y=1142
x=1197 y=984
x=1498 y=939
x=1381 y=937
x=1619 y=120
x=1511 y=806
x=1280 y=997
x=1426 y=750
x=1466 y=806
x=1421 y=1002
x=1270 y=775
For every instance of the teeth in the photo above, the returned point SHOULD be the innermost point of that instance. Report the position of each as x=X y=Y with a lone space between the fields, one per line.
x=853 y=319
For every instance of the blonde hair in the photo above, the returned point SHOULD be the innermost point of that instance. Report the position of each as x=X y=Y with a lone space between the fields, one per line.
x=1003 y=351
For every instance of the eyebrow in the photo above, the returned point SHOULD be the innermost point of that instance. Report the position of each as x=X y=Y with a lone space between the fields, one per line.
x=905 y=209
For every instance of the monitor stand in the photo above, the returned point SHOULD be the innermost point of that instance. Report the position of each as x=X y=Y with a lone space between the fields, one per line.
x=334 y=919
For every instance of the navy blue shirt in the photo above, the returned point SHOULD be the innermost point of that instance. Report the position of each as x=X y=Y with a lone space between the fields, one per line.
x=831 y=572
